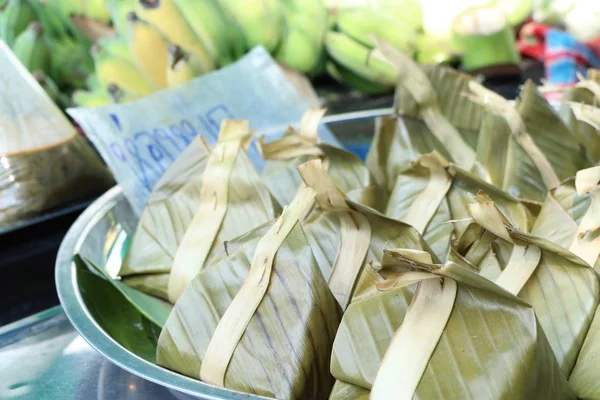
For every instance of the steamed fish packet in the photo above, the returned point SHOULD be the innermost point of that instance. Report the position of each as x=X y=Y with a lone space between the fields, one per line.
x=284 y=155
x=46 y=163
x=562 y=288
x=260 y=321
x=207 y=196
x=345 y=236
x=570 y=216
x=430 y=114
x=433 y=196
x=440 y=331
x=526 y=148
x=586 y=91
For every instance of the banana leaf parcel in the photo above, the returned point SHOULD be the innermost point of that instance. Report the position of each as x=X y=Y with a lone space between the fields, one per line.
x=562 y=288
x=261 y=320
x=427 y=331
x=430 y=114
x=585 y=377
x=348 y=172
x=207 y=196
x=433 y=196
x=346 y=236
x=570 y=216
x=587 y=91
x=526 y=148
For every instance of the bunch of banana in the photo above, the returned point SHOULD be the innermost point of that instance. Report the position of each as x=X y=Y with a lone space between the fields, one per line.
x=351 y=48
x=15 y=16
x=302 y=43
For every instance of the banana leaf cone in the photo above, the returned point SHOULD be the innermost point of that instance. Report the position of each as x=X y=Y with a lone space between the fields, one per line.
x=570 y=216
x=348 y=172
x=431 y=331
x=431 y=113
x=262 y=319
x=206 y=197
x=562 y=288
x=526 y=148
x=433 y=196
x=587 y=91
x=345 y=236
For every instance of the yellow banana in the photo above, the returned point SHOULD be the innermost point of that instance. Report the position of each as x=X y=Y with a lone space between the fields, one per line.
x=149 y=50
x=92 y=98
x=183 y=67
x=119 y=9
x=111 y=68
x=208 y=22
x=96 y=9
x=165 y=16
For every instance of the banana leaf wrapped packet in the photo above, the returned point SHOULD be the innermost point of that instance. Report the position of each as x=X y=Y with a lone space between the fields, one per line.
x=261 y=320
x=348 y=172
x=428 y=331
x=430 y=114
x=526 y=148
x=433 y=196
x=570 y=216
x=586 y=91
x=207 y=196
x=346 y=236
x=562 y=288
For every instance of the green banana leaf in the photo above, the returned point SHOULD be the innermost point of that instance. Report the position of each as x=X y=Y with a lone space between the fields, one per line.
x=508 y=164
x=563 y=290
x=115 y=314
x=402 y=138
x=285 y=350
x=348 y=172
x=585 y=378
x=171 y=207
x=491 y=347
x=153 y=308
x=452 y=217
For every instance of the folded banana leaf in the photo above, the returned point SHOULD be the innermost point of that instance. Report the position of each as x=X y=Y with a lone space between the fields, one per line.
x=562 y=288
x=261 y=320
x=570 y=216
x=587 y=92
x=348 y=172
x=585 y=377
x=433 y=196
x=207 y=196
x=430 y=331
x=526 y=148
x=430 y=114
x=346 y=236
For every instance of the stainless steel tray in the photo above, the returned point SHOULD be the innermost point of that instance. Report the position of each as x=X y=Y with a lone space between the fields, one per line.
x=99 y=234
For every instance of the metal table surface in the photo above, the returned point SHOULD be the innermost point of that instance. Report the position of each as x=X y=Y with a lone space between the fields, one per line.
x=42 y=357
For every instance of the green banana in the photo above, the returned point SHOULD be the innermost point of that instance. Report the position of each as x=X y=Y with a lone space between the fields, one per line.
x=235 y=36
x=67 y=7
x=348 y=78
x=149 y=49
x=302 y=44
x=118 y=14
x=359 y=59
x=32 y=49
x=409 y=13
x=260 y=20
x=206 y=19
x=164 y=15
x=111 y=68
x=96 y=9
x=182 y=67
x=52 y=89
x=365 y=24
x=92 y=98
x=92 y=82
x=14 y=19
x=71 y=63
